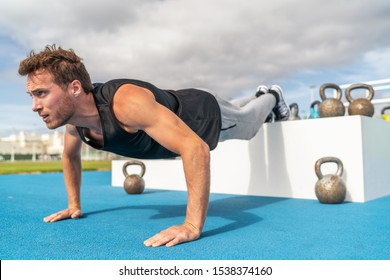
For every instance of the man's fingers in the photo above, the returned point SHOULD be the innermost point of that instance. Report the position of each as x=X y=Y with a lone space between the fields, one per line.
x=53 y=217
x=171 y=237
x=156 y=240
x=61 y=215
x=175 y=242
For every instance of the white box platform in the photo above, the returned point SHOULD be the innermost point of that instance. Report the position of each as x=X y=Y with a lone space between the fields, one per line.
x=279 y=161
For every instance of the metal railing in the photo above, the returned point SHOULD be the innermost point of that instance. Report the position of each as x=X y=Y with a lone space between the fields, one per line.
x=381 y=88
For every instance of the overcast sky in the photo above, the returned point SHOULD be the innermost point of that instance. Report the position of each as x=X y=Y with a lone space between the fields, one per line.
x=227 y=46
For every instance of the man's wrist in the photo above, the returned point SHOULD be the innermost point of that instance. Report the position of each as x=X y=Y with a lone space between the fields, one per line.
x=192 y=227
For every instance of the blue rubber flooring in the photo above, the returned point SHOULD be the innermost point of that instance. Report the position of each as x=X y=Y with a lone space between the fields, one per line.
x=115 y=225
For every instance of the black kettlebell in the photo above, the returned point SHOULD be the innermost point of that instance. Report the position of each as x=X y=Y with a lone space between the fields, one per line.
x=134 y=183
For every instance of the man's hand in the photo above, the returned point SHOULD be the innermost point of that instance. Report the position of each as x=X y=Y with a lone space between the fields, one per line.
x=63 y=214
x=174 y=235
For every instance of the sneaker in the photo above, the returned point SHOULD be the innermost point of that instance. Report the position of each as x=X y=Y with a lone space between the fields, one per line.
x=281 y=110
x=261 y=90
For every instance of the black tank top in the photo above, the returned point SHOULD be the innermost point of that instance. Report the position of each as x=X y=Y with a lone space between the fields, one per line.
x=197 y=108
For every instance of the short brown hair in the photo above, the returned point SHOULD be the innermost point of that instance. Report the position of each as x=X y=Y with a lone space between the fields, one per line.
x=64 y=65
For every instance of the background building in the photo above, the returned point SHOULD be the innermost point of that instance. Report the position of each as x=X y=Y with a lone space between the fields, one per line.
x=34 y=146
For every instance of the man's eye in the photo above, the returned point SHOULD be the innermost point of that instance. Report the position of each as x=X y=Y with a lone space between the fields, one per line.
x=39 y=93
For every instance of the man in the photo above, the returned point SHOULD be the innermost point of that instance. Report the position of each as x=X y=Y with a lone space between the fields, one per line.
x=136 y=119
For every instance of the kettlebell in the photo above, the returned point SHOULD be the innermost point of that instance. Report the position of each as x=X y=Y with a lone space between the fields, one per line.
x=314 y=114
x=294 y=112
x=330 y=189
x=384 y=116
x=331 y=107
x=134 y=183
x=360 y=106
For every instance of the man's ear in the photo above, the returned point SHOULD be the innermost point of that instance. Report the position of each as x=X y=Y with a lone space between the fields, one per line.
x=76 y=88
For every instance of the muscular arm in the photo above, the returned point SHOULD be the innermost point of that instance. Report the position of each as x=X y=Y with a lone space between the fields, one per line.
x=136 y=109
x=71 y=164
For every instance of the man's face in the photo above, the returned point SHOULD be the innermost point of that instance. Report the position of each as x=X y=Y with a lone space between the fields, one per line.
x=49 y=100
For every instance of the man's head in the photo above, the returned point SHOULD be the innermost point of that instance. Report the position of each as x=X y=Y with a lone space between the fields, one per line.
x=64 y=65
x=56 y=80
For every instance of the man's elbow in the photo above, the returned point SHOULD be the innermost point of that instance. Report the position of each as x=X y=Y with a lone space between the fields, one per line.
x=203 y=150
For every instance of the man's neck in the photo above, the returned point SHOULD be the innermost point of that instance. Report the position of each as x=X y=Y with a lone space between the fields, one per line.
x=86 y=114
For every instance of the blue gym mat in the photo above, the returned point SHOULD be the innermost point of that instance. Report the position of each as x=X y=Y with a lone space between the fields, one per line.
x=115 y=225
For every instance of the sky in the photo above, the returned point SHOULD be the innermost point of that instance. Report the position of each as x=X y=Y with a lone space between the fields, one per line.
x=227 y=46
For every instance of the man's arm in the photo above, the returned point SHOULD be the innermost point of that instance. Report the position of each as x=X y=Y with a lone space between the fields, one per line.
x=71 y=164
x=136 y=109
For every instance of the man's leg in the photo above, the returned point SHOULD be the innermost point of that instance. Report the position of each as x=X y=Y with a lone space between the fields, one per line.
x=241 y=102
x=244 y=122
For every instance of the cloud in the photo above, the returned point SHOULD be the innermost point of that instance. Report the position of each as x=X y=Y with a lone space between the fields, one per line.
x=228 y=46
x=377 y=61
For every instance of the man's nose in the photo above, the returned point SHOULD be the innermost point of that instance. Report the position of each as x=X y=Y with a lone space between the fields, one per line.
x=36 y=106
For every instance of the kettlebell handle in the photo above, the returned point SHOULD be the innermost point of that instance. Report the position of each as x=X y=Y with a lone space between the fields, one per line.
x=133 y=162
x=314 y=104
x=317 y=166
x=384 y=109
x=356 y=86
x=330 y=85
x=294 y=109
